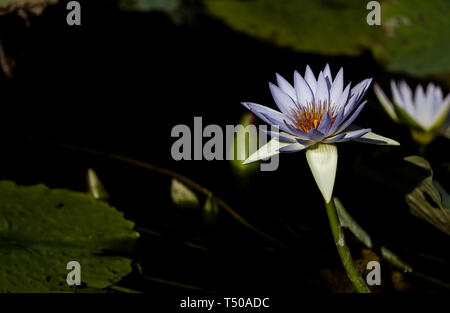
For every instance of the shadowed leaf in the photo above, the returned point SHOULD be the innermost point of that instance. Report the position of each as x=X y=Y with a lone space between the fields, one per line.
x=43 y=229
x=427 y=199
x=348 y=222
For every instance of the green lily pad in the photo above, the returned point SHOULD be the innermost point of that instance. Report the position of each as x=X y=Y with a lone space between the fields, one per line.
x=413 y=36
x=167 y=6
x=43 y=229
x=417 y=36
x=329 y=26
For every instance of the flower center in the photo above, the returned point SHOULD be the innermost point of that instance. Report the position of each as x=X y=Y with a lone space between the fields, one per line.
x=309 y=117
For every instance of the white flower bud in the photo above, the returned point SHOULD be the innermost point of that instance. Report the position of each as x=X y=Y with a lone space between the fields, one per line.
x=322 y=160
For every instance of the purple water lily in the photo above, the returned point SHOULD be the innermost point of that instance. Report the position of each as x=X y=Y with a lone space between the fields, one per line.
x=315 y=115
x=314 y=111
x=425 y=111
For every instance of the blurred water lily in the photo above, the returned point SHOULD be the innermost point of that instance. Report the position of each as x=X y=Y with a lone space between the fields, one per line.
x=314 y=111
x=425 y=112
x=241 y=147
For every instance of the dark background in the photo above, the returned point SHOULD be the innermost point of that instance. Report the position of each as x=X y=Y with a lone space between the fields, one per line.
x=122 y=80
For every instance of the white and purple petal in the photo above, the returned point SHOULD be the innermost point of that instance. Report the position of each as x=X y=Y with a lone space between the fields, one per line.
x=272 y=148
x=348 y=135
x=352 y=117
x=281 y=136
x=337 y=86
x=302 y=90
x=385 y=102
x=322 y=95
x=327 y=75
x=286 y=86
x=310 y=79
x=325 y=124
x=396 y=94
x=293 y=147
x=282 y=99
x=406 y=94
x=268 y=115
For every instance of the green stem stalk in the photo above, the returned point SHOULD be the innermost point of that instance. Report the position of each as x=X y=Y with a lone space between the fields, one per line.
x=344 y=252
x=422 y=149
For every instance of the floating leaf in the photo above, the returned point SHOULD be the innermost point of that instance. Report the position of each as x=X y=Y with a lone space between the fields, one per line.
x=418 y=36
x=42 y=229
x=413 y=37
x=328 y=26
x=182 y=196
x=167 y=6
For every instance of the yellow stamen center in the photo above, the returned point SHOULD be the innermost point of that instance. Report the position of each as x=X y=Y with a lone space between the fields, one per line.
x=310 y=116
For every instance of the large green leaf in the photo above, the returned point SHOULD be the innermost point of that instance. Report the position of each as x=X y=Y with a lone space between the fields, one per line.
x=414 y=35
x=417 y=36
x=327 y=26
x=167 y=6
x=42 y=229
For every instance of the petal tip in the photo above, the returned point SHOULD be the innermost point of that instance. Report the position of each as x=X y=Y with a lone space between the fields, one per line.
x=248 y=161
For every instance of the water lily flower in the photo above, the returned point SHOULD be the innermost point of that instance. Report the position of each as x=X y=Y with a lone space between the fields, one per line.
x=426 y=112
x=314 y=112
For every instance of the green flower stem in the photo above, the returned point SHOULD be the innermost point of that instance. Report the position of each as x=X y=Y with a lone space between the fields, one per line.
x=344 y=252
x=422 y=149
